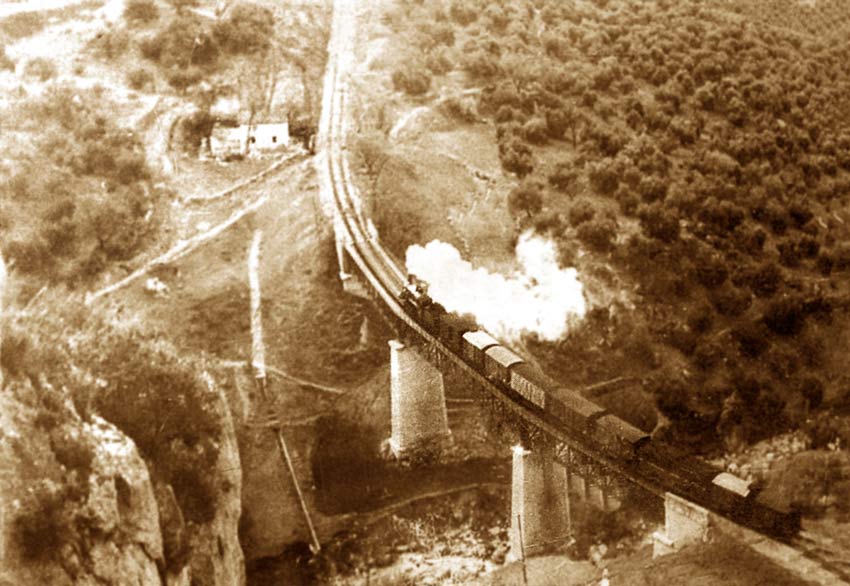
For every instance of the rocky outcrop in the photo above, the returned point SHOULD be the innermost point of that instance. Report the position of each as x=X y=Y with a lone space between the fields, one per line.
x=78 y=504
x=216 y=554
x=77 y=501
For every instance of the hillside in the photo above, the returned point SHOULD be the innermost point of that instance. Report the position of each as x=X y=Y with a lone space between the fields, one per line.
x=689 y=160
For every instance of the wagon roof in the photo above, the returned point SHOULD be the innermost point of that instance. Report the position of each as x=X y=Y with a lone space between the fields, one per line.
x=480 y=339
x=733 y=483
x=503 y=356
x=622 y=428
x=577 y=403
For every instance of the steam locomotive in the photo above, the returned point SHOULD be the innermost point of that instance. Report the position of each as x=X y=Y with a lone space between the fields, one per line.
x=658 y=462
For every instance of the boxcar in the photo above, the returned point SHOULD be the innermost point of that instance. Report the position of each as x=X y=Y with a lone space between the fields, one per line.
x=474 y=346
x=497 y=363
x=619 y=437
x=578 y=412
x=530 y=383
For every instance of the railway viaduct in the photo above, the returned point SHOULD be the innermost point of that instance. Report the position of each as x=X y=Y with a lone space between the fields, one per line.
x=545 y=460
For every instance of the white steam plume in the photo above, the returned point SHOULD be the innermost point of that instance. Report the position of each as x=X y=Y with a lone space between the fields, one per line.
x=540 y=298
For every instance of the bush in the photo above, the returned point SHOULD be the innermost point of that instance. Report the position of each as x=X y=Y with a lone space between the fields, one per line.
x=438 y=62
x=812 y=481
x=140 y=12
x=88 y=188
x=535 y=131
x=826 y=428
x=527 y=198
x=6 y=62
x=413 y=79
x=563 y=177
x=598 y=235
x=40 y=68
x=658 y=223
x=44 y=524
x=462 y=13
x=248 y=29
x=480 y=65
x=140 y=79
x=752 y=339
x=701 y=318
x=581 y=211
x=603 y=179
x=710 y=271
x=731 y=301
x=766 y=280
x=785 y=316
x=111 y=43
x=516 y=157
x=163 y=405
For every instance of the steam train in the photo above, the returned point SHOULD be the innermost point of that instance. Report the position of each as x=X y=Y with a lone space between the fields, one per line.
x=658 y=462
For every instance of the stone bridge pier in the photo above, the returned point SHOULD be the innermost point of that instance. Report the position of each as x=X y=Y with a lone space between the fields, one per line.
x=417 y=402
x=684 y=523
x=540 y=507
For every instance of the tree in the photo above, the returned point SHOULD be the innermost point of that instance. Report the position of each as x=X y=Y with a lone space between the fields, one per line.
x=658 y=223
x=526 y=198
x=515 y=157
x=563 y=176
x=249 y=29
x=412 y=78
x=140 y=12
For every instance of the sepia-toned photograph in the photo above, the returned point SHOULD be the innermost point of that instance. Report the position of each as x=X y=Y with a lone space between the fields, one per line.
x=424 y=292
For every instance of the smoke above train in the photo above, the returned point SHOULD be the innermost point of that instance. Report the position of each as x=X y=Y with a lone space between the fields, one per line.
x=540 y=297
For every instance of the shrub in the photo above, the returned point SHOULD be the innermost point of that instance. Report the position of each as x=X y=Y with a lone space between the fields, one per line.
x=516 y=157
x=811 y=388
x=527 y=198
x=785 y=315
x=5 y=61
x=413 y=79
x=91 y=193
x=140 y=79
x=708 y=354
x=140 y=12
x=701 y=318
x=248 y=29
x=812 y=481
x=752 y=339
x=581 y=211
x=557 y=123
x=710 y=271
x=438 y=62
x=658 y=223
x=110 y=43
x=480 y=65
x=731 y=301
x=462 y=12
x=44 y=524
x=563 y=176
x=461 y=108
x=41 y=68
x=827 y=428
x=535 y=130
x=598 y=234
x=603 y=179
x=766 y=280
